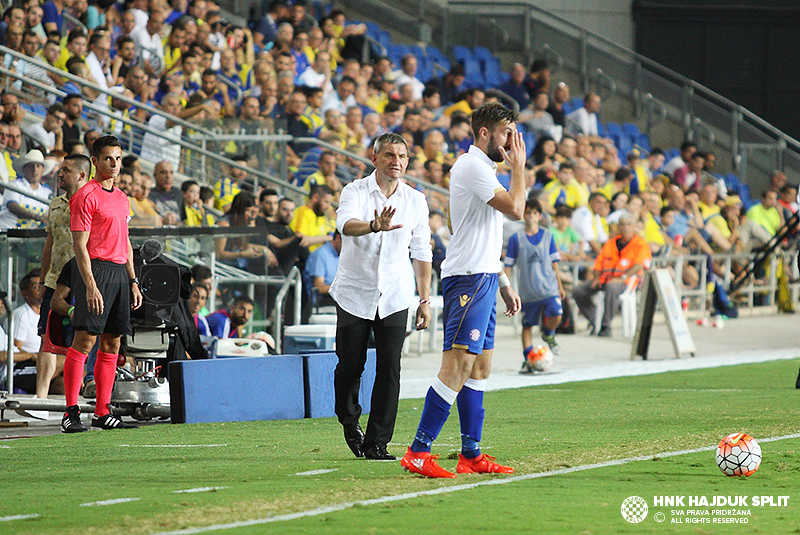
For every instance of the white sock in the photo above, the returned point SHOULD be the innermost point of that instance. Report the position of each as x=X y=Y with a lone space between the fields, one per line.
x=444 y=391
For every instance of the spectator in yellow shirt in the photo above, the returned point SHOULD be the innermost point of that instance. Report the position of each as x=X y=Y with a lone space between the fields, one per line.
x=312 y=220
x=473 y=98
x=563 y=190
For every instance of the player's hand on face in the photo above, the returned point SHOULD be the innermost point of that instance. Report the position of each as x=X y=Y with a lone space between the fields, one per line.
x=423 y=316
x=515 y=156
x=383 y=221
x=512 y=301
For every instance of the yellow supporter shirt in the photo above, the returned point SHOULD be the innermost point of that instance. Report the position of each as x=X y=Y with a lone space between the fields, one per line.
x=306 y=222
x=652 y=231
x=559 y=194
x=461 y=106
x=712 y=214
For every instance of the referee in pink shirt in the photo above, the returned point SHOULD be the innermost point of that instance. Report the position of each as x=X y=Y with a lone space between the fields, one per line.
x=107 y=288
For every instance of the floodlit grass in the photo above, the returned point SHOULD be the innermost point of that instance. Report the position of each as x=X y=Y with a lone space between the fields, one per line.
x=533 y=429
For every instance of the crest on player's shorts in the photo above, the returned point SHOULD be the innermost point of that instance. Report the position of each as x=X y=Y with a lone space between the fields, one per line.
x=464 y=299
x=475 y=335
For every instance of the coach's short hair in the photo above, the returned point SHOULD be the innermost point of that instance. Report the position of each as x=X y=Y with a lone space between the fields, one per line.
x=389 y=138
x=490 y=115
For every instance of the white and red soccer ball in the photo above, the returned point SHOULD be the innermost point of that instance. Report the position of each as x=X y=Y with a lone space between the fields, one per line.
x=738 y=454
x=540 y=358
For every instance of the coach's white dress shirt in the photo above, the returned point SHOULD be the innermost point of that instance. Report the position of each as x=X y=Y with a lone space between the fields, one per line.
x=375 y=273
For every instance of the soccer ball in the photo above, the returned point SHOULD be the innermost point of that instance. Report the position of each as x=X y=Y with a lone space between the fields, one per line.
x=738 y=454
x=540 y=358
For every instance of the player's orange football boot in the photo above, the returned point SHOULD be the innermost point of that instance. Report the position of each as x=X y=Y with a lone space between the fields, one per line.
x=482 y=464
x=423 y=463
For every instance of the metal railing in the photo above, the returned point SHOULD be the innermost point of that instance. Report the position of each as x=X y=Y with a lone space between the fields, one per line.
x=135 y=130
x=646 y=90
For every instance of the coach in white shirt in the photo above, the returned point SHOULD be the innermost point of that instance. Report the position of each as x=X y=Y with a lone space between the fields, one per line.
x=383 y=221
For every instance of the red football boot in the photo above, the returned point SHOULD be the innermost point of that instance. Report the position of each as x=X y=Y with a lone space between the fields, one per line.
x=482 y=464
x=424 y=464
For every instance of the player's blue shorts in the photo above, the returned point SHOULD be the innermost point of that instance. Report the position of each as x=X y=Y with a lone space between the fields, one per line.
x=470 y=311
x=530 y=311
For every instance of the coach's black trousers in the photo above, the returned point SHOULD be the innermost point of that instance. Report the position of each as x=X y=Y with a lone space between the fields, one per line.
x=352 y=336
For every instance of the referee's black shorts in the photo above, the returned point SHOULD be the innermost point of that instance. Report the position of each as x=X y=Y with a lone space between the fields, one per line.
x=114 y=284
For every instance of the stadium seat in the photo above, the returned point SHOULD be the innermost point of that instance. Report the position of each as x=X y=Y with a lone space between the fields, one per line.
x=483 y=53
x=643 y=141
x=732 y=183
x=419 y=51
x=614 y=130
x=631 y=129
x=572 y=105
x=462 y=53
x=602 y=131
x=492 y=72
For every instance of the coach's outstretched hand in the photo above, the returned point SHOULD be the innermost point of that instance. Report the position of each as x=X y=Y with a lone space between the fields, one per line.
x=383 y=221
x=512 y=300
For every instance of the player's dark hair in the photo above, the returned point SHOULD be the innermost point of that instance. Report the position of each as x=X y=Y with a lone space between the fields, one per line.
x=491 y=115
x=103 y=142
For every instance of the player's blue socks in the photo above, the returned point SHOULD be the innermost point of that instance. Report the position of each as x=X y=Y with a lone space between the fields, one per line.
x=548 y=332
x=471 y=414
x=526 y=351
x=434 y=414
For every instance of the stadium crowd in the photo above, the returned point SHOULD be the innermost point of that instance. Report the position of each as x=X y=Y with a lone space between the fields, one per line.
x=309 y=78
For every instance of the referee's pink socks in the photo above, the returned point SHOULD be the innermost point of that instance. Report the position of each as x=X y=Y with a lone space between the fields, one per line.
x=73 y=375
x=105 y=371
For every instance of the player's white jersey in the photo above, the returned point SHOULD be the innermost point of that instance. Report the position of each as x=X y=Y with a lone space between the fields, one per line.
x=477 y=228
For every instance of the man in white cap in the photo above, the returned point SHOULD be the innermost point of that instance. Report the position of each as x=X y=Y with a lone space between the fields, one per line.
x=20 y=210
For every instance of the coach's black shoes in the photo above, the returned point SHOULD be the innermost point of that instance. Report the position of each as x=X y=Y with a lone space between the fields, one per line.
x=354 y=437
x=377 y=452
x=108 y=422
x=71 y=422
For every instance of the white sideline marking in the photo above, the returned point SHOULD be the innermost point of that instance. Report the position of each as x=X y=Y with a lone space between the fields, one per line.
x=198 y=489
x=17 y=517
x=447 y=490
x=316 y=472
x=108 y=502
x=172 y=445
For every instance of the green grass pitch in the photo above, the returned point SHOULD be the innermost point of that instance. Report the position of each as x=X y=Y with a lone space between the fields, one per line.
x=254 y=466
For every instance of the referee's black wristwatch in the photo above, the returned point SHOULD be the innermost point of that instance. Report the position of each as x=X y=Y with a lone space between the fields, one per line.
x=135 y=281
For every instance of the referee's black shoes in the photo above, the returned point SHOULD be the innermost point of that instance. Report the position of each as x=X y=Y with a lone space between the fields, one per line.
x=109 y=422
x=354 y=437
x=377 y=452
